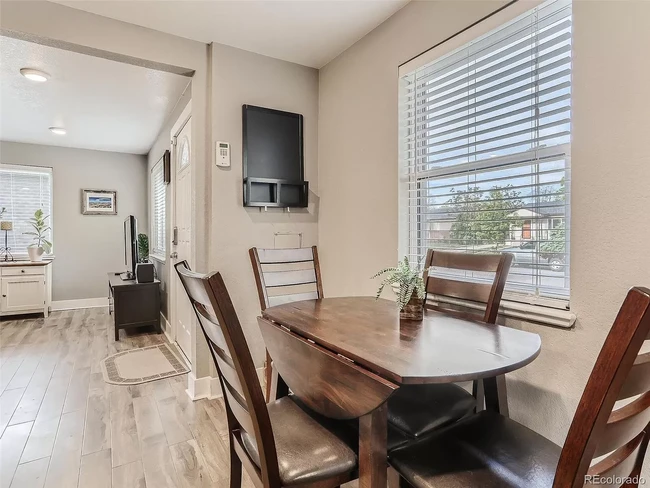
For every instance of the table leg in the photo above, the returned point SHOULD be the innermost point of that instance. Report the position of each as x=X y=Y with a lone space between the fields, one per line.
x=478 y=391
x=373 y=438
x=496 y=395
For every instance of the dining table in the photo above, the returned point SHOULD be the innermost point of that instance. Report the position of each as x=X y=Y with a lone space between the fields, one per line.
x=442 y=348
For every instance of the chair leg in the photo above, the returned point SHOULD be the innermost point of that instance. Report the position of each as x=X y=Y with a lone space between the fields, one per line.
x=235 y=467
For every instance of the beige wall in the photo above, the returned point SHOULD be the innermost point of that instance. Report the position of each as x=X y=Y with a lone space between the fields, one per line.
x=86 y=246
x=241 y=77
x=611 y=178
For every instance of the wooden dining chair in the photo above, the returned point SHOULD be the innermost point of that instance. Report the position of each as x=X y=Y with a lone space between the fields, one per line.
x=278 y=444
x=418 y=410
x=282 y=276
x=490 y=450
x=486 y=293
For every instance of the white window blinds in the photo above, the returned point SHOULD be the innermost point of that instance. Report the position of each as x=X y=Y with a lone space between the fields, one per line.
x=484 y=150
x=157 y=243
x=23 y=190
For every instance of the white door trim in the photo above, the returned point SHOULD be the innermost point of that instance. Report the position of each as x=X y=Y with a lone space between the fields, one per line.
x=176 y=129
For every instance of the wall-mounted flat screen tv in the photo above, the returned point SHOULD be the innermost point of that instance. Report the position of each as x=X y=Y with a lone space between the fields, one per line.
x=273 y=156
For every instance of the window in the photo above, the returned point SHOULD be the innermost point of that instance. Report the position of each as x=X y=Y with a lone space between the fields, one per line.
x=158 y=212
x=485 y=151
x=23 y=190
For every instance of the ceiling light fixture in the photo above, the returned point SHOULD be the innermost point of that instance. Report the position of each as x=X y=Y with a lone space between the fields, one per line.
x=59 y=131
x=34 y=74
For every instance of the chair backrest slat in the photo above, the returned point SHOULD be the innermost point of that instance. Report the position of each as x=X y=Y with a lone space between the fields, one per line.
x=280 y=299
x=624 y=424
x=597 y=428
x=474 y=292
x=638 y=380
x=286 y=275
x=308 y=369
x=619 y=465
x=295 y=255
x=217 y=343
x=471 y=262
x=239 y=408
x=289 y=278
x=487 y=293
x=245 y=406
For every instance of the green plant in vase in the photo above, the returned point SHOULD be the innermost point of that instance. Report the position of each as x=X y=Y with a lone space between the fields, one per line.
x=143 y=248
x=41 y=244
x=411 y=294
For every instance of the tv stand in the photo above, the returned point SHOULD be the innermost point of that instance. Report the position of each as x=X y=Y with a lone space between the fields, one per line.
x=133 y=304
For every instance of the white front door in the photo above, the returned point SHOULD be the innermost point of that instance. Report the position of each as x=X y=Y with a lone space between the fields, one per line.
x=182 y=231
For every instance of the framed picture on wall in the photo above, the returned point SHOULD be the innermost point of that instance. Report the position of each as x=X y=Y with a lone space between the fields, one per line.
x=98 y=202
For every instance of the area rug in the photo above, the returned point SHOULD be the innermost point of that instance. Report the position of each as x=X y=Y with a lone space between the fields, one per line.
x=142 y=365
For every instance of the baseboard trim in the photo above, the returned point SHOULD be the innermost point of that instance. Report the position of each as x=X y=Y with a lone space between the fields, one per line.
x=209 y=387
x=80 y=303
x=166 y=327
x=206 y=387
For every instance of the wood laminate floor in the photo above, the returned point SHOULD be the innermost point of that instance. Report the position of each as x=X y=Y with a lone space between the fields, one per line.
x=62 y=426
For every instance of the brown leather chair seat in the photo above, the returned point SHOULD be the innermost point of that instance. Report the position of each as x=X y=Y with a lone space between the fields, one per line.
x=486 y=450
x=417 y=410
x=307 y=451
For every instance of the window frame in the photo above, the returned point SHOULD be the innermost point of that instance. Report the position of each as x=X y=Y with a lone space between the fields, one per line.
x=26 y=168
x=520 y=305
x=157 y=254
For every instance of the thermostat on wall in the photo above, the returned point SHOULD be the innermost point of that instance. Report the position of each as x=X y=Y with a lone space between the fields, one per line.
x=223 y=154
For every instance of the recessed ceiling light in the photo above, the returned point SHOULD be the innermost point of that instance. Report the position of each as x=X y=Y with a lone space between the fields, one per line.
x=59 y=131
x=34 y=74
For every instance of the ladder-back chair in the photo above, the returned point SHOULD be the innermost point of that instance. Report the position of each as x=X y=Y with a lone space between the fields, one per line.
x=278 y=444
x=489 y=450
x=282 y=276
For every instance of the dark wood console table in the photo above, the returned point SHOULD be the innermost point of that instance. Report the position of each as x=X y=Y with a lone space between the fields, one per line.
x=133 y=304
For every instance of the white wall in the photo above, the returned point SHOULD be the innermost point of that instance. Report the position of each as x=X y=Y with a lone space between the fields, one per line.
x=86 y=246
x=241 y=77
x=610 y=179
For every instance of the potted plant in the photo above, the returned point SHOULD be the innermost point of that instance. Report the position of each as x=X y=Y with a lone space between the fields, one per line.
x=41 y=244
x=143 y=248
x=411 y=294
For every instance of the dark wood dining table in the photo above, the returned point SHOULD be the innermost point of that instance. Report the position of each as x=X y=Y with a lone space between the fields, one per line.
x=440 y=349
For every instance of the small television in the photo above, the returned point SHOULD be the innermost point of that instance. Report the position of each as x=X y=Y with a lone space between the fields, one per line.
x=130 y=247
x=273 y=158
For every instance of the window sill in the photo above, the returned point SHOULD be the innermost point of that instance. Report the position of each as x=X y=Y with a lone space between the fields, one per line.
x=25 y=257
x=539 y=314
x=158 y=257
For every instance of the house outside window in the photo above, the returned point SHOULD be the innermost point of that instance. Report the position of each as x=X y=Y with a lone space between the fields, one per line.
x=23 y=191
x=485 y=151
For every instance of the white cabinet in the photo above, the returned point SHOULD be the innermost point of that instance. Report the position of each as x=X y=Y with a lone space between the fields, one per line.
x=26 y=288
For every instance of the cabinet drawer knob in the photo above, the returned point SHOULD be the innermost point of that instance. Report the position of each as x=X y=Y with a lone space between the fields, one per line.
x=22 y=270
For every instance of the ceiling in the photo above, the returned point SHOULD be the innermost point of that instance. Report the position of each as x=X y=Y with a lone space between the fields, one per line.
x=307 y=32
x=103 y=104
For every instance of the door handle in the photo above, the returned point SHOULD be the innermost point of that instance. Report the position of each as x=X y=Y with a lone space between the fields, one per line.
x=175 y=236
x=173 y=255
